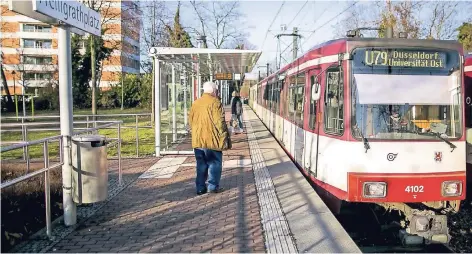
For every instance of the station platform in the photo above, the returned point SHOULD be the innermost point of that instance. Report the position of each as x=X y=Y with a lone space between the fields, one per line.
x=267 y=206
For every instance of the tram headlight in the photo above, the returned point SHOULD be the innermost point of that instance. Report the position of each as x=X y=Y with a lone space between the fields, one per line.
x=451 y=188
x=375 y=189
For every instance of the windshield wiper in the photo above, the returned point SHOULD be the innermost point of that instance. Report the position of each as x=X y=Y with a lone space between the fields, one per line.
x=366 y=142
x=436 y=134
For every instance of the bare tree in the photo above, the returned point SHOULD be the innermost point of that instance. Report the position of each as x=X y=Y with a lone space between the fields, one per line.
x=439 y=20
x=363 y=14
x=219 y=21
x=243 y=44
x=109 y=14
x=443 y=22
x=155 y=16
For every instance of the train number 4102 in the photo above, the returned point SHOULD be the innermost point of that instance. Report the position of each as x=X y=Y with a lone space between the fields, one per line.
x=415 y=188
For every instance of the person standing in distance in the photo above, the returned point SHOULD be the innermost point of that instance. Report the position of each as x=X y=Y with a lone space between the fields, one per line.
x=210 y=137
x=237 y=111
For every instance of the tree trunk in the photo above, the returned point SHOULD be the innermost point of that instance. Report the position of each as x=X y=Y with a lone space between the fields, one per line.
x=94 y=77
x=10 y=105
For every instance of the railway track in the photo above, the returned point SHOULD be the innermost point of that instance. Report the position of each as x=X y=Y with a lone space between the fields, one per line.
x=377 y=231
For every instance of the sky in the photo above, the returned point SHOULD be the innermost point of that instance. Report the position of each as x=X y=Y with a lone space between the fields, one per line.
x=308 y=16
x=314 y=14
x=258 y=15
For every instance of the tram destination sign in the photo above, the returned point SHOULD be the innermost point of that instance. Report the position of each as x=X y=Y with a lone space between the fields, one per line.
x=224 y=76
x=72 y=13
x=405 y=58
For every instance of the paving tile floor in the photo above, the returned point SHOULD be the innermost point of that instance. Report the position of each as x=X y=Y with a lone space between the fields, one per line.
x=165 y=215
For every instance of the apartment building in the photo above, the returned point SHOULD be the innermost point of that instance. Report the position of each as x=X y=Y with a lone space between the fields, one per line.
x=29 y=47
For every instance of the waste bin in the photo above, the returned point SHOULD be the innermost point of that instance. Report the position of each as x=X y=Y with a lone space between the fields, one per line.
x=89 y=169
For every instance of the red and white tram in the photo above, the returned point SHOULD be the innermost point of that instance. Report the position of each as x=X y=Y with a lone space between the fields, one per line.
x=468 y=112
x=378 y=121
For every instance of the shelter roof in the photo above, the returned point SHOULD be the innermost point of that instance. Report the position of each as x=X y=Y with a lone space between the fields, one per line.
x=211 y=60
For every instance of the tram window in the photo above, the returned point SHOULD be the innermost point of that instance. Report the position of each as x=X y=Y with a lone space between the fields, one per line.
x=277 y=97
x=266 y=95
x=300 y=96
x=291 y=103
x=296 y=98
x=313 y=82
x=334 y=96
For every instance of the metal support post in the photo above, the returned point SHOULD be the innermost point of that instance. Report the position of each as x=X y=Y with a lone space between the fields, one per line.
x=227 y=92
x=210 y=67
x=137 y=137
x=192 y=87
x=157 y=106
x=185 y=88
x=66 y=114
x=199 y=82
x=24 y=101
x=23 y=137
x=47 y=190
x=120 y=177
x=220 y=87
x=174 y=106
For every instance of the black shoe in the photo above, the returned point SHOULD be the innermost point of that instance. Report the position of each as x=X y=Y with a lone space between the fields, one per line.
x=218 y=190
x=202 y=192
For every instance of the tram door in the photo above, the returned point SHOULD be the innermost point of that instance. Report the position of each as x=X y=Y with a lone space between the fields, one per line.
x=468 y=118
x=312 y=121
x=299 y=103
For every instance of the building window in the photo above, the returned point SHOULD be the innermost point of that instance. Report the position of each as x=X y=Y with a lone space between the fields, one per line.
x=334 y=96
x=37 y=28
x=33 y=43
x=37 y=60
x=37 y=76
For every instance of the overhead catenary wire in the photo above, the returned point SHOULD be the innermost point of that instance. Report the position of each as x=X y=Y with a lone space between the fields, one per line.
x=271 y=23
x=321 y=26
x=296 y=15
x=327 y=22
x=301 y=45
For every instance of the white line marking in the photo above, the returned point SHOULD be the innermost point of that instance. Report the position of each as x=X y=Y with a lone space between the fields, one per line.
x=241 y=163
x=164 y=168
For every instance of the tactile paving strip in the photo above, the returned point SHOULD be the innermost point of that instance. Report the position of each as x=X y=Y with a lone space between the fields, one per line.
x=277 y=233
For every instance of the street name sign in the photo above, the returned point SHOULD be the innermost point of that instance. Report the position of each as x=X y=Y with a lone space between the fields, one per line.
x=80 y=18
x=71 y=12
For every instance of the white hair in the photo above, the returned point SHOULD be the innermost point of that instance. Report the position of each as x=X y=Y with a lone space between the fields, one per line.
x=209 y=87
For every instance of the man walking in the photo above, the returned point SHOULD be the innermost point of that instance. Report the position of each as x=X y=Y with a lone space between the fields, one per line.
x=209 y=138
x=237 y=110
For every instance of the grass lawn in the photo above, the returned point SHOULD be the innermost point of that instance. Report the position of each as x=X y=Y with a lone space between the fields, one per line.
x=128 y=135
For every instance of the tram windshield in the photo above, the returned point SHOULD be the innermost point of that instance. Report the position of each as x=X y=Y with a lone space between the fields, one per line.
x=406 y=94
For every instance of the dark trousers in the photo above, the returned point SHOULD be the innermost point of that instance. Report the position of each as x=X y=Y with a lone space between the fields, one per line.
x=209 y=167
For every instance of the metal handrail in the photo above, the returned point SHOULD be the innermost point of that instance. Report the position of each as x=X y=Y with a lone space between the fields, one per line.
x=47 y=167
x=25 y=127
x=28 y=143
x=75 y=116
x=51 y=123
